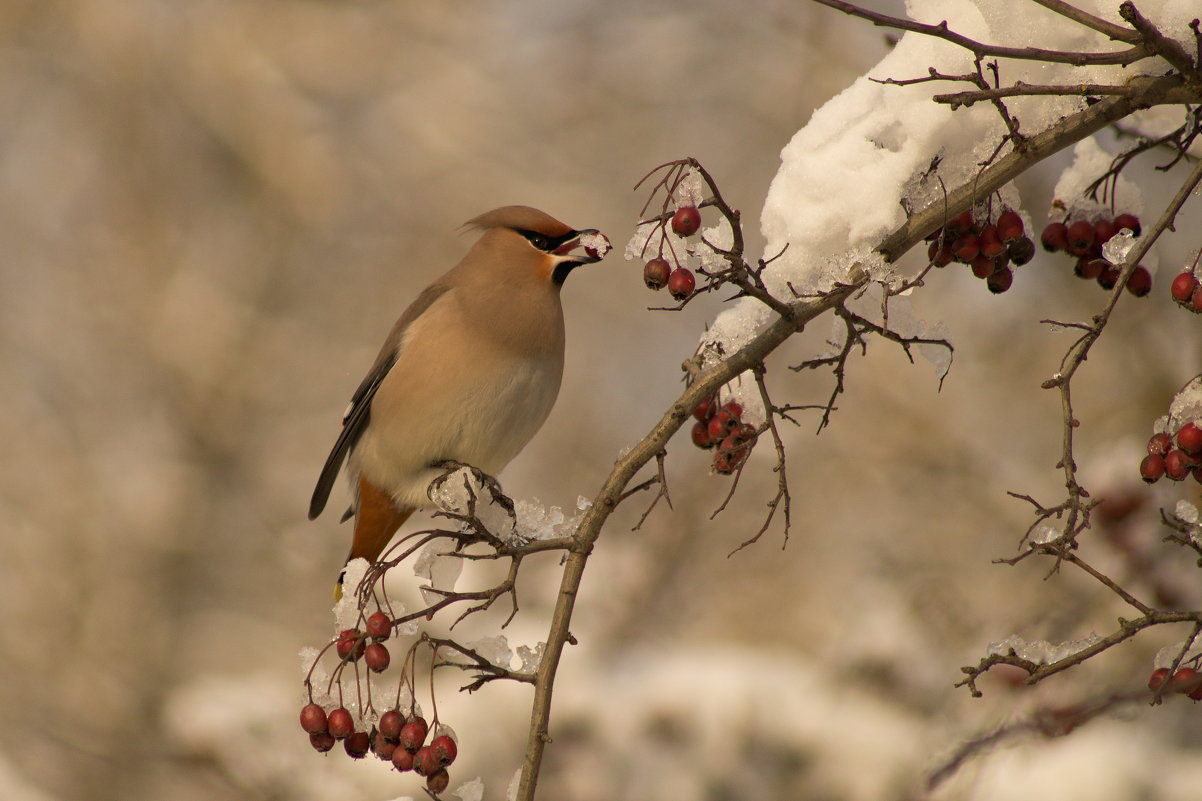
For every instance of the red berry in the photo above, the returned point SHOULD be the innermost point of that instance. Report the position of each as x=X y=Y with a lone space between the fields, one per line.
x=983 y=266
x=1103 y=229
x=960 y=225
x=1157 y=679
x=939 y=254
x=1054 y=237
x=1160 y=443
x=413 y=733
x=340 y=723
x=390 y=724
x=701 y=435
x=350 y=644
x=1189 y=438
x=991 y=242
x=1152 y=468
x=445 y=749
x=1195 y=300
x=1127 y=221
x=1183 y=287
x=720 y=425
x=656 y=272
x=999 y=280
x=734 y=408
x=382 y=747
x=966 y=248
x=1080 y=237
x=379 y=626
x=424 y=761
x=322 y=741
x=437 y=781
x=1021 y=251
x=686 y=221
x=402 y=760
x=313 y=718
x=728 y=461
x=1009 y=225
x=1140 y=282
x=1109 y=277
x=1185 y=680
x=1088 y=267
x=357 y=745
x=705 y=410
x=1178 y=464
x=377 y=657
x=681 y=283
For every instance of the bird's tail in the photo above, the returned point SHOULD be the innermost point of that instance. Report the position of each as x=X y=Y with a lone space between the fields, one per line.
x=377 y=518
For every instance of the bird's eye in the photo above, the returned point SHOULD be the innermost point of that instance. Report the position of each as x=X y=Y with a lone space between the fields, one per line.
x=539 y=241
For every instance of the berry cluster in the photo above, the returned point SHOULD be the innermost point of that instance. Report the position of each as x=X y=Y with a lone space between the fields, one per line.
x=1184 y=680
x=1174 y=455
x=1187 y=291
x=988 y=248
x=397 y=738
x=1084 y=239
x=657 y=273
x=722 y=428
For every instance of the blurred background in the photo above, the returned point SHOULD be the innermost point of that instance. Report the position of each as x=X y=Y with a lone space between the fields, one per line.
x=211 y=212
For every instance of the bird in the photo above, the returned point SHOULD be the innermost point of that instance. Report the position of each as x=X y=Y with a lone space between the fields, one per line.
x=468 y=374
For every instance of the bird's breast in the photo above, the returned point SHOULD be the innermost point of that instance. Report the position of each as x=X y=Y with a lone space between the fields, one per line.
x=481 y=410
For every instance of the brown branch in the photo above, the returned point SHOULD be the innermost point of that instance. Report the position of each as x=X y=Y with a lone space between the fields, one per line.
x=1109 y=29
x=1021 y=89
x=1158 y=43
x=941 y=31
x=1151 y=91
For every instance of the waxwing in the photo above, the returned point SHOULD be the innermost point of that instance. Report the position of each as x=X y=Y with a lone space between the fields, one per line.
x=469 y=373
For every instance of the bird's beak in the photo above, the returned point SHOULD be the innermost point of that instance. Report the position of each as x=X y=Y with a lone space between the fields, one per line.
x=595 y=245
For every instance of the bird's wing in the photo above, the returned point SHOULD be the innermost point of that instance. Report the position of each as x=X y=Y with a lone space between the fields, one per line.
x=358 y=414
